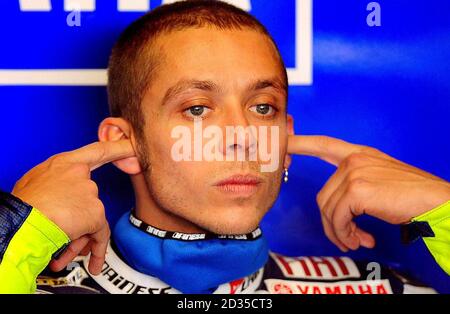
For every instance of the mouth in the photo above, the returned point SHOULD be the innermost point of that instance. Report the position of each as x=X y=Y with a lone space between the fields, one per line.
x=239 y=185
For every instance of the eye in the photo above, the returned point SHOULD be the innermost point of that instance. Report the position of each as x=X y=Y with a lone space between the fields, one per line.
x=196 y=111
x=263 y=109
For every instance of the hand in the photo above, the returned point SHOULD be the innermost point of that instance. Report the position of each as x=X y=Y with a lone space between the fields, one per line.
x=370 y=182
x=61 y=188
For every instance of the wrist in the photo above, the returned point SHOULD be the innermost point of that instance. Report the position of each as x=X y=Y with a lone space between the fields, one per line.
x=26 y=201
x=443 y=195
x=49 y=214
x=24 y=224
x=437 y=196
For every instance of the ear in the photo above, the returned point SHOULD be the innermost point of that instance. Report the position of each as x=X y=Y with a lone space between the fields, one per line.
x=114 y=129
x=290 y=131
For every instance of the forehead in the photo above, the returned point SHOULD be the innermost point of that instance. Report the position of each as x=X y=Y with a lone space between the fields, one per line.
x=228 y=57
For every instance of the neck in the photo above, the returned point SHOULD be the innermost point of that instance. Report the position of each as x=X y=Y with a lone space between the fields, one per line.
x=151 y=213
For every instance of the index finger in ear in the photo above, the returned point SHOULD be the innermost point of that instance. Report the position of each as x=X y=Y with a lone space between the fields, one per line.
x=327 y=148
x=100 y=153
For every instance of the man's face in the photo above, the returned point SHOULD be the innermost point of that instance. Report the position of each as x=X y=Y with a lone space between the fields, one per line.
x=221 y=78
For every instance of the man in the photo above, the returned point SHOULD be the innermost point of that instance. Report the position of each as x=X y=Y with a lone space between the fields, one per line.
x=189 y=66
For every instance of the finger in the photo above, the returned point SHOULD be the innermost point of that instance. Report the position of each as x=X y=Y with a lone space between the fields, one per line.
x=343 y=225
x=99 y=245
x=327 y=148
x=349 y=166
x=359 y=166
x=329 y=232
x=347 y=234
x=330 y=187
x=71 y=252
x=365 y=239
x=329 y=207
x=326 y=210
x=99 y=153
x=86 y=250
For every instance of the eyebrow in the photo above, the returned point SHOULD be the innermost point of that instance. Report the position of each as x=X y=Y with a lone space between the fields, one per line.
x=274 y=83
x=210 y=86
x=183 y=85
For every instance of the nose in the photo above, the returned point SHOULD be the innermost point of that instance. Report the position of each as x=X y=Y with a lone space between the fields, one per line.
x=240 y=137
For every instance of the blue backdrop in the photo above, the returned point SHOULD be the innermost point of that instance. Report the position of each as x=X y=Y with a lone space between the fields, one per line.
x=386 y=86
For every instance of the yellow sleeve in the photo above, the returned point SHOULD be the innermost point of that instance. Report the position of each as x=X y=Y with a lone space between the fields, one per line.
x=439 y=244
x=27 y=243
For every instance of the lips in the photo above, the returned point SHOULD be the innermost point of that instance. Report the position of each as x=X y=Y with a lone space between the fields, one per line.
x=242 y=185
x=240 y=180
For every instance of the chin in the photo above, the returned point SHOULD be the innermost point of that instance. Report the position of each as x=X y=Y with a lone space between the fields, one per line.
x=233 y=223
